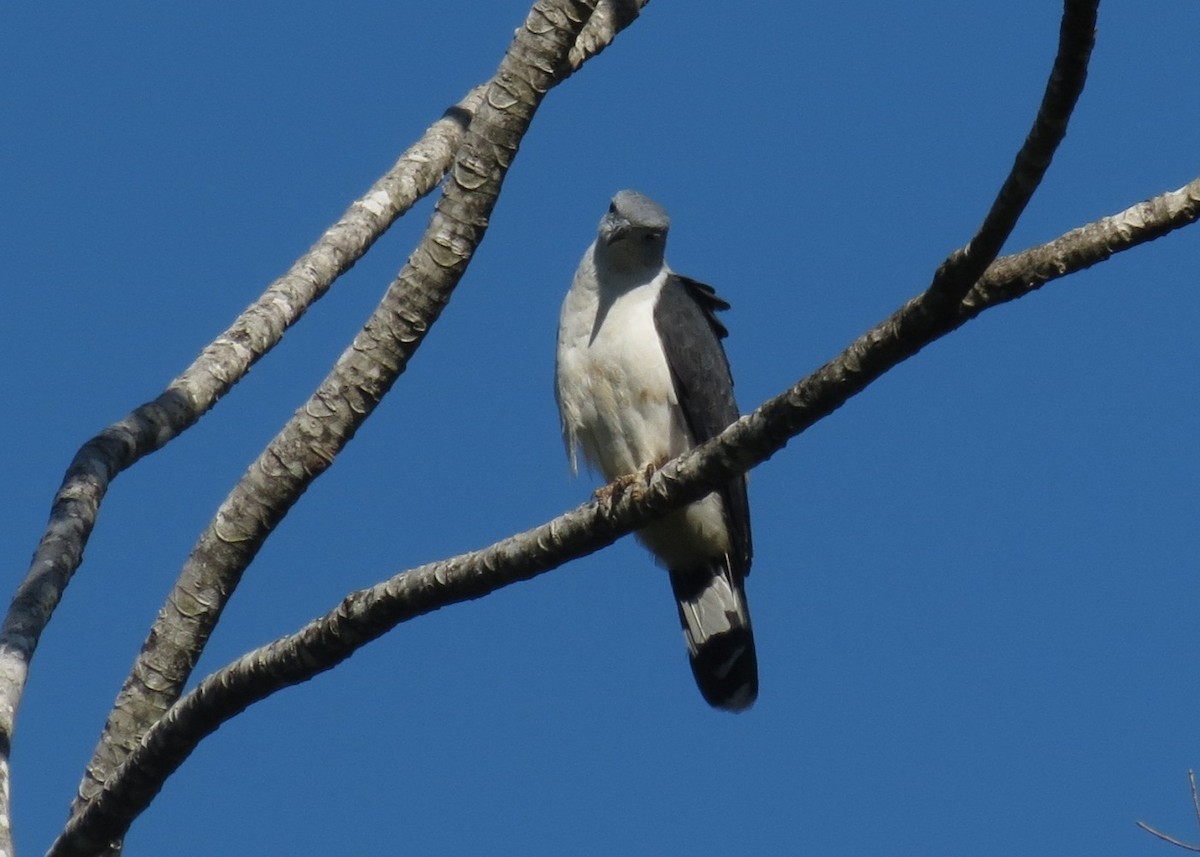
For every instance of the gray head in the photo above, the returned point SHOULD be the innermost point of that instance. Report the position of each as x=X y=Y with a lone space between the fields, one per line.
x=634 y=231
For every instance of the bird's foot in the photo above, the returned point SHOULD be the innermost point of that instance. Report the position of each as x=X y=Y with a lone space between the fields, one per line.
x=630 y=483
x=608 y=494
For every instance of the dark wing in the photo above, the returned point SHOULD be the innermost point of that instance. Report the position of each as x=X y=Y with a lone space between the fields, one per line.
x=691 y=334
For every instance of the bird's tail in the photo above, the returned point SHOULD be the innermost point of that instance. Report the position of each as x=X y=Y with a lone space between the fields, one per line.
x=716 y=628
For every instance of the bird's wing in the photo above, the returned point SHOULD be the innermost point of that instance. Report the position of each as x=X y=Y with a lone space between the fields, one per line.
x=685 y=317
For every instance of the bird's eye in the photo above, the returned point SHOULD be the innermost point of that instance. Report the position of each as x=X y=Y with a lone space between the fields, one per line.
x=612 y=208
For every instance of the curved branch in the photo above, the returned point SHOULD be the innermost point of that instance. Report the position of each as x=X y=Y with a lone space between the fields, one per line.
x=189 y=396
x=1166 y=837
x=1076 y=37
x=309 y=442
x=609 y=18
x=912 y=327
x=364 y=616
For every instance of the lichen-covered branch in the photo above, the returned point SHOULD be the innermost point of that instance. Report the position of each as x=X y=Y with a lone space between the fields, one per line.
x=366 y=615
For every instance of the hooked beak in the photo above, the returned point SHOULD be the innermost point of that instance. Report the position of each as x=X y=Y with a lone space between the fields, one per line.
x=615 y=228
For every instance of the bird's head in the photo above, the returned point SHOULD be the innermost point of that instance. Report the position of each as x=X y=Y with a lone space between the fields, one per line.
x=633 y=234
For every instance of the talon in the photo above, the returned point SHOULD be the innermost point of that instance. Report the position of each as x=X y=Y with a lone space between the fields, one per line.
x=608 y=494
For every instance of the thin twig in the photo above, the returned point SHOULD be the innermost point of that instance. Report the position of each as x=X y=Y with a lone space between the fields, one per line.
x=1195 y=796
x=1166 y=837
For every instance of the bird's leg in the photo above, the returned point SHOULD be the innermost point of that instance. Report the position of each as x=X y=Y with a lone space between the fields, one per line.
x=608 y=494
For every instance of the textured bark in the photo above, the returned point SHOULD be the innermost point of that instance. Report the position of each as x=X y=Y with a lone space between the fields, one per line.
x=608 y=19
x=1076 y=38
x=366 y=615
x=221 y=365
x=310 y=441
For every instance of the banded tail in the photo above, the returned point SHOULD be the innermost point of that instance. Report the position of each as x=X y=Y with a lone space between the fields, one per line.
x=716 y=628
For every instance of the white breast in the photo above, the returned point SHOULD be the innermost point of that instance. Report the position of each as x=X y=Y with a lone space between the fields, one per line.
x=618 y=404
x=614 y=386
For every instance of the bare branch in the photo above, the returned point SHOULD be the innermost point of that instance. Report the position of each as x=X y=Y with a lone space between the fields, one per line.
x=219 y=367
x=1195 y=808
x=1166 y=837
x=609 y=18
x=189 y=396
x=1014 y=276
x=366 y=615
x=964 y=266
x=1195 y=795
x=309 y=442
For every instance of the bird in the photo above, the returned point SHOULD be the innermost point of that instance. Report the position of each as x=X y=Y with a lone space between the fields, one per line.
x=641 y=376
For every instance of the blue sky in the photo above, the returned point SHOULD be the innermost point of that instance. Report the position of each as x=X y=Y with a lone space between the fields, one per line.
x=975 y=589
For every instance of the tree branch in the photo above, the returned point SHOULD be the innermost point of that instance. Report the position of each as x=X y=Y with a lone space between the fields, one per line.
x=609 y=18
x=364 y=616
x=189 y=396
x=964 y=266
x=308 y=443
x=1166 y=837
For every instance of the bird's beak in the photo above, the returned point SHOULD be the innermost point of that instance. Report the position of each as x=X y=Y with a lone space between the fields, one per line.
x=617 y=229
